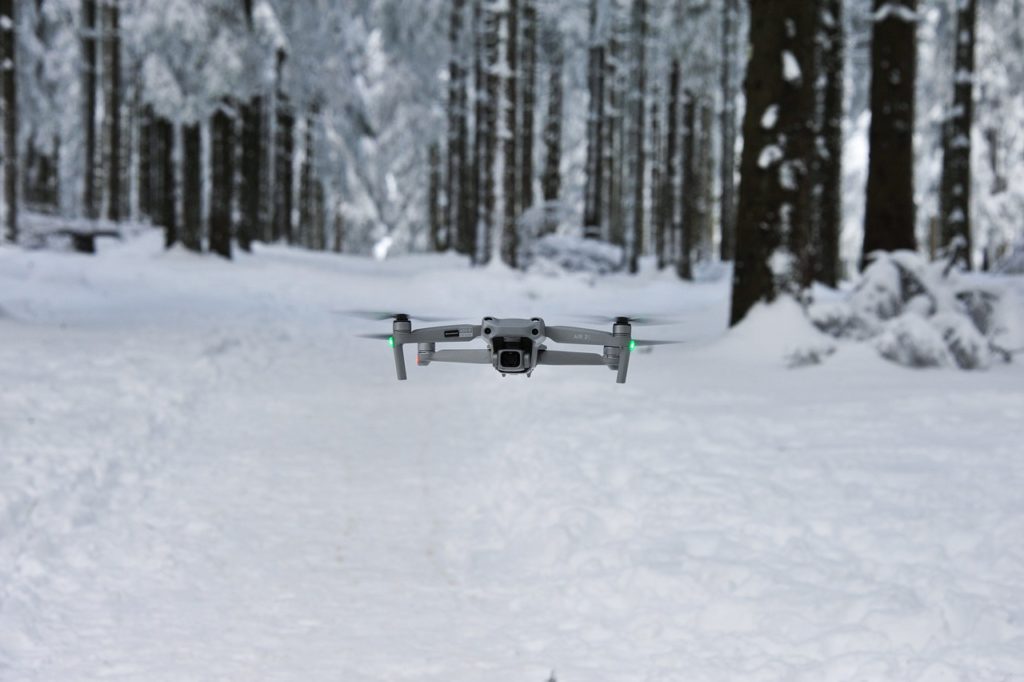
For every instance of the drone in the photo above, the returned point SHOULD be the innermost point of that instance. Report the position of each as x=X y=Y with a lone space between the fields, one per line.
x=514 y=346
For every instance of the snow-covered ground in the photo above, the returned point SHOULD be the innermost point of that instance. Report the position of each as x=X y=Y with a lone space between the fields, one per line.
x=205 y=476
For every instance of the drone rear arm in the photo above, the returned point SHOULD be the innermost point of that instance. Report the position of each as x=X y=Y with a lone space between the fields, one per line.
x=562 y=357
x=475 y=356
x=580 y=335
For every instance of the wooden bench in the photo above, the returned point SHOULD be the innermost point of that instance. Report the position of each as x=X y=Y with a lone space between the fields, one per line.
x=83 y=232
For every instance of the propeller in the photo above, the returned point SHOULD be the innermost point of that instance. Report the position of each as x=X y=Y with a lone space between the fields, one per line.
x=641 y=343
x=380 y=316
x=640 y=319
x=375 y=337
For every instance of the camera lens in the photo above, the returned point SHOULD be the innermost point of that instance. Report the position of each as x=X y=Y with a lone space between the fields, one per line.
x=510 y=359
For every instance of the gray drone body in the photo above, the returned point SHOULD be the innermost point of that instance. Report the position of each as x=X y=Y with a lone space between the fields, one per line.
x=514 y=346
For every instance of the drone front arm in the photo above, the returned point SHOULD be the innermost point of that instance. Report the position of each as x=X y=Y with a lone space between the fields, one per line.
x=476 y=356
x=580 y=335
x=452 y=333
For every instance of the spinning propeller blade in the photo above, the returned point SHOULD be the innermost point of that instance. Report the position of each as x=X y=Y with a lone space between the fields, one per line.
x=380 y=316
x=376 y=337
x=641 y=319
x=640 y=343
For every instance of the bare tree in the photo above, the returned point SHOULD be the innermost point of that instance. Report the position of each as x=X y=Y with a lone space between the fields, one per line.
x=89 y=64
x=529 y=98
x=112 y=109
x=596 y=73
x=8 y=55
x=727 y=168
x=509 y=230
x=192 y=187
x=222 y=171
x=635 y=240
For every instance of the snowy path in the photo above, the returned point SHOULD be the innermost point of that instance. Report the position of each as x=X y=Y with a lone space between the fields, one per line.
x=204 y=476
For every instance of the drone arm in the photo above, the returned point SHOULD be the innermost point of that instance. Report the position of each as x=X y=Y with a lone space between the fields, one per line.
x=581 y=336
x=449 y=334
x=476 y=356
x=561 y=357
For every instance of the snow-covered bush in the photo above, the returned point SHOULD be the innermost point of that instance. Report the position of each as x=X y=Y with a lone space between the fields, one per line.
x=1013 y=262
x=920 y=314
x=556 y=254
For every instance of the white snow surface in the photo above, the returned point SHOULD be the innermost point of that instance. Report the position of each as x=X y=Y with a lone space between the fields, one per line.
x=205 y=476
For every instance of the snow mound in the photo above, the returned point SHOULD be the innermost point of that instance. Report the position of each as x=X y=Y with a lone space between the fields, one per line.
x=780 y=330
x=919 y=314
x=556 y=254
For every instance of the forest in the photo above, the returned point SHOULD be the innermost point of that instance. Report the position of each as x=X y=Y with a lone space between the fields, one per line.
x=791 y=138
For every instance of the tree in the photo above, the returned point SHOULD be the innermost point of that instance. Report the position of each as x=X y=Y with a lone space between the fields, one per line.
x=669 y=195
x=434 y=213
x=112 y=109
x=596 y=114
x=771 y=228
x=222 y=171
x=509 y=229
x=164 y=130
x=828 y=212
x=192 y=187
x=889 y=213
x=688 y=233
x=727 y=167
x=250 y=226
x=526 y=130
x=89 y=64
x=955 y=191
x=8 y=55
x=551 y=178
x=146 y=167
x=635 y=239
x=284 y=155
x=456 y=125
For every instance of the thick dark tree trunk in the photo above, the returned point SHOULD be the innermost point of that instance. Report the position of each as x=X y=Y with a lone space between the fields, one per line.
x=890 y=213
x=146 y=167
x=434 y=211
x=89 y=64
x=307 y=184
x=955 y=192
x=222 y=170
x=192 y=187
x=689 y=232
x=551 y=180
x=112 y=110
x=727 y=246
x=596 y=71
x=488 y=192
x=830 y=204
x=616 y=165
x=526 y=134
x=669 y=196
x=284 y=154
x=705 y=184
x=456 y=122
x=509 y=231
x=339 y=231
x=639 y=132
x=8 y=58
x=164 y=144
x=250 y=227
x=657 y=170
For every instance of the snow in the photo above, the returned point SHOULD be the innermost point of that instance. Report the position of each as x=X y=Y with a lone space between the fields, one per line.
x=790 y=67
x=899 y=11
x=204 y=475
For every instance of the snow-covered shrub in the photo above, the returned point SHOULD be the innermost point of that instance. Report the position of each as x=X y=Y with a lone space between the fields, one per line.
x=555 y=254
x=1013 y=262
x=920 y=314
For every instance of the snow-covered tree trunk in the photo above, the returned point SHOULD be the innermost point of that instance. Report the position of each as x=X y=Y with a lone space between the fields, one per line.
x=635 y=237
x=727 y=166
x=829 y=209
x=192 y=187
x=8 y=85
x=222 y=171
x=669 y=195
x=890 y=212
x=529 y=98
x=456 y=124
x=689 y=228
x=955 y=191
x=250 y=225
x=596 y=115
x=112 y=108
x=89 y=66
x=510 y=195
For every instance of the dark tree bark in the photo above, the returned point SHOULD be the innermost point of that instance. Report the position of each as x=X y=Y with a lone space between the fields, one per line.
x=488 y=180
x=771 y=244
x=339 y=231
x=164 y=144
x=596 y=72
x=955 y=191
x=456 y=126
x=657 y=169
x=89 y=63
x=551 y=180
x=8 y=57
x=705 y=185
x=222 y=169
x=727 y=247
x=192 y=188
x=250 y=225
x=829 y=213
x=689 y=231
x=146 y=165
x=285 y=153
x=616 y=155
x=669 y=196
x=509 y=230
x=307 y=187
x=890 y=211
x=434 y=211
x=474 y=217
x=639 y=131
x=112 y=110
x=529 y=93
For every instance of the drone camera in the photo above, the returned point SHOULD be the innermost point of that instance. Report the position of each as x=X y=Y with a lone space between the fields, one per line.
x=511 y=359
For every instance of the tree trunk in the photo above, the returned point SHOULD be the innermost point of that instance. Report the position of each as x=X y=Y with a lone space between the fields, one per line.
x=488 y=191
x=509 y=232
x=145 y=163
x=617 y=155
x=705 y=185
x=89 y=59
x=596 y=68
x=222 y=168
x=192 y=187
x=112 y=110
x=889 y=213
x=727 y=247
x=551 y=180
x=526 y=133
x=475 y=217
x=688 y=234
x=449 y=235
x=8 y=56
x=285 y=152
x=636 y=245
x=339 y=231
x=830 y=204
x=955 y=192
x=434 y=211
x=250 y=227
x=657 y=171
x=669 y=197
x=168 y=191
x=306 y=187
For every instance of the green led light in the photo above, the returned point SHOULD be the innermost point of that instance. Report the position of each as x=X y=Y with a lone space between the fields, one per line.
x=391 y=342
x=632 y=344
